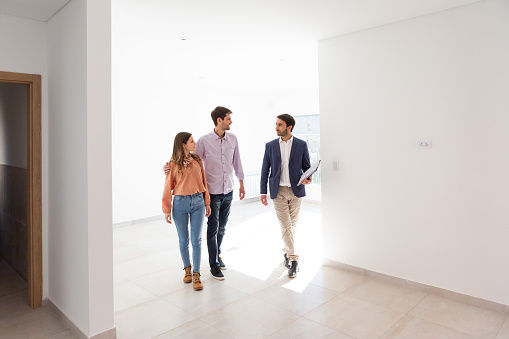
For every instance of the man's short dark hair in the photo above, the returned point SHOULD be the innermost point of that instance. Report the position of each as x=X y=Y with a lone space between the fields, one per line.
x=288 y=119
x=219 y=112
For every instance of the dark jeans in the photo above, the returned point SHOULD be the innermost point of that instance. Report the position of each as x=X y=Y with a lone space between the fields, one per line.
x=220 y=205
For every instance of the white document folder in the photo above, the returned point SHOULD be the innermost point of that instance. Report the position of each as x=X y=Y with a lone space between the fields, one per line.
x=309 y=172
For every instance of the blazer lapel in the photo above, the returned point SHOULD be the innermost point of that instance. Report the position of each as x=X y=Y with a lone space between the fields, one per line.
x=277 y=150
x=292 y=151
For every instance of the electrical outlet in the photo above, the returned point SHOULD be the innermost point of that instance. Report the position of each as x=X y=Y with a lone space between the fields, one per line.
x=335 y=166
x=426 y=144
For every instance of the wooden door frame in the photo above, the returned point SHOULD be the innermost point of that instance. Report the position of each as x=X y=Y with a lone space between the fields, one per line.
x=34 y=155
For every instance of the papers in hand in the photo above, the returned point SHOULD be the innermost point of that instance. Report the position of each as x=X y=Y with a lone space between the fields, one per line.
x=309 y=172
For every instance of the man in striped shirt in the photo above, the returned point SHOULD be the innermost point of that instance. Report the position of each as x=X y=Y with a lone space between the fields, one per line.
x=219 y=151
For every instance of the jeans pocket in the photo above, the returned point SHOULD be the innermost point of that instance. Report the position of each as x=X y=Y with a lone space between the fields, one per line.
x=179 y=202
x=198 y=201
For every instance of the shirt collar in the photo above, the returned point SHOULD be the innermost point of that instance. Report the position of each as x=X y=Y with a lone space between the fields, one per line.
x=289 y=141
x=217 y=136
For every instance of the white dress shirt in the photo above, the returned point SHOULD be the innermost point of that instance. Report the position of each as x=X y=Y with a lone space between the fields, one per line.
x=286 y=148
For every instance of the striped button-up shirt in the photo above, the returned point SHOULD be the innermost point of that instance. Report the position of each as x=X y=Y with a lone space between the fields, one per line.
x=221 y=158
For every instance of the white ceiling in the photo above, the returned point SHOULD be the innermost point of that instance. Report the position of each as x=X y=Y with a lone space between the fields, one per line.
x=315 y=18
x=260 y=42
x=41 y=10
x=231 y=41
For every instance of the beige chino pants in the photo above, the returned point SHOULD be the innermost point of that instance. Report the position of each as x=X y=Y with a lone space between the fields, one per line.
x=287 y=207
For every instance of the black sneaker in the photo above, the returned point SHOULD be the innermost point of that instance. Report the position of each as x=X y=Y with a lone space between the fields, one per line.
x=287 y=261
x=216 y=273
x=292 y=272
x=221 y=263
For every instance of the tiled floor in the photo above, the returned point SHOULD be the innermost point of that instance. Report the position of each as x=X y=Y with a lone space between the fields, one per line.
x=17 y=320
x=257 y=299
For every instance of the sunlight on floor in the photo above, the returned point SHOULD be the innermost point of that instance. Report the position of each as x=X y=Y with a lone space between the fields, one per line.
x=253 y=246
x=257 y=299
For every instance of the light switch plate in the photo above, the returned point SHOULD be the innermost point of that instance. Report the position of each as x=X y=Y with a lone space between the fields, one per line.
x=425 y=144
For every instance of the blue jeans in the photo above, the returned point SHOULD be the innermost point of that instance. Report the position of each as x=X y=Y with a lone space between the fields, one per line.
x=189 y=208
x=220 y=205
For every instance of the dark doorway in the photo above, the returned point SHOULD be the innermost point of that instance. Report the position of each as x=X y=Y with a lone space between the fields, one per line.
x=20 y=182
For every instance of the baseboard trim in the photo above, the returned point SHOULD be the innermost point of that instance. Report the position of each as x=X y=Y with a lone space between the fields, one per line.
x=235 y=202
x=109 y=334
x=459 y=297
x=138 y=221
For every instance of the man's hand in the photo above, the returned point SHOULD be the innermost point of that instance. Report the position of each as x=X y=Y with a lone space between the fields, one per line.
x=306 y=181
x=264 y=199
x=166 y=168
x=207 y=211
x=167 y=218
x=242 y=192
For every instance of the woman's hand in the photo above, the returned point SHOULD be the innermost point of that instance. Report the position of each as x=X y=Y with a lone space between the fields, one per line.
x=167 y=218
x=207 y=211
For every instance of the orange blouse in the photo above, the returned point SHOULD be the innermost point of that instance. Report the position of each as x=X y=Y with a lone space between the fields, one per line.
x=190 y=181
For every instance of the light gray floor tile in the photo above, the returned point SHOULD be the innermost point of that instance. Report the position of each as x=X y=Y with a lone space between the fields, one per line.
x=415 y=328
x=252 y=282
x=303 y=328
x=215 y=294
x=123 y=253
x=355 y=317
x=32 y=324
x=504 y=331
x=396 y=298
x=335 y=279
x=147 y=264
x=249 y=318
x=129 y=294
x=162 y=282
x=295 y=300
x=257 y=299
x=461 y=317
x=14 y=303
x=149 y=320
x=192 y=330
x=160 y=244
x=62 y=335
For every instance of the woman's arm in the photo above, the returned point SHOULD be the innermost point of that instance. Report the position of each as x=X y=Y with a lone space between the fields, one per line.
x=169 y=184
x=206 y=195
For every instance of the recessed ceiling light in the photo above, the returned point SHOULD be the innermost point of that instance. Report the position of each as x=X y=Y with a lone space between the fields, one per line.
x=183 y=38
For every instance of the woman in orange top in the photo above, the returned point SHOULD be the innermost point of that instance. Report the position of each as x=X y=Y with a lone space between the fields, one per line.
x=191 y=204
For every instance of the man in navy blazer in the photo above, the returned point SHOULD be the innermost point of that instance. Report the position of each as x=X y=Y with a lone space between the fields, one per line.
x=285 y=160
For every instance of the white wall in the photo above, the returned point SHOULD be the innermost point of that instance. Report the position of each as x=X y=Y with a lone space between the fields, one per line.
x=99 y=160
x=76 y=157
x=24 y=50
x=162 y=86
x=80 y=233
x=437 y=216
x=68 y=231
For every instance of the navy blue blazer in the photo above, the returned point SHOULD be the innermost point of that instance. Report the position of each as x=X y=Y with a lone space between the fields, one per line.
x=271 y=167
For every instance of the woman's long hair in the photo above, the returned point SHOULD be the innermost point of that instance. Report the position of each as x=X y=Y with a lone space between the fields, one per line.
x=178 y=150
